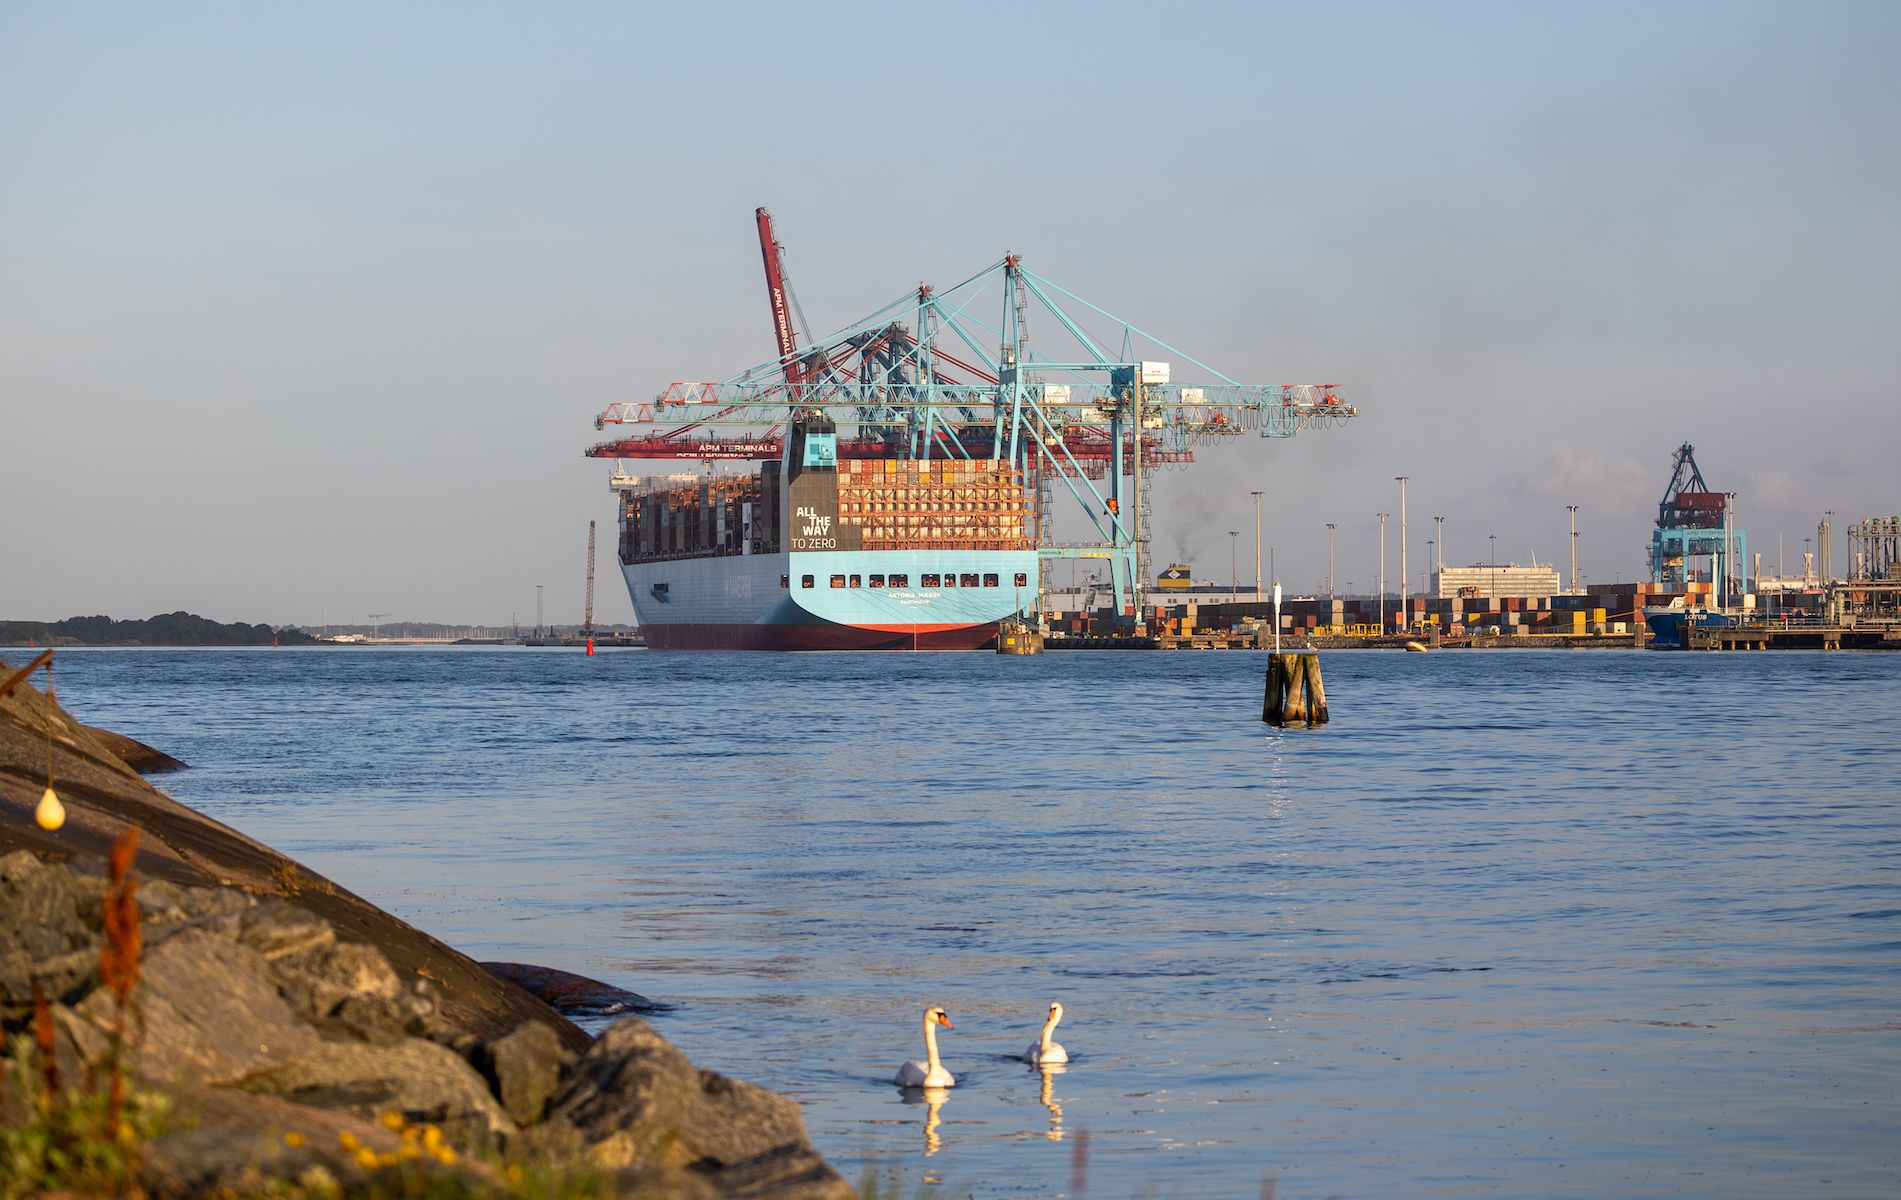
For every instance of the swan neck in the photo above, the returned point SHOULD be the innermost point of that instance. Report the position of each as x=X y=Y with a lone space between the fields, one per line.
x=1049 y=1031
x=930 y=1044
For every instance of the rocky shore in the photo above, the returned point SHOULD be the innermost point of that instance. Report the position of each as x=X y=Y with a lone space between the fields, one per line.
x=287 y=1038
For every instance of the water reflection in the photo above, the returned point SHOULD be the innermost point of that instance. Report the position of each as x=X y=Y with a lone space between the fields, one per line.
x=932 y=1098
x=1055 y=1132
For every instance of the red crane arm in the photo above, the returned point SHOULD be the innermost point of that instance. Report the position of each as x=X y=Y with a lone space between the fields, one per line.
x=775 y=292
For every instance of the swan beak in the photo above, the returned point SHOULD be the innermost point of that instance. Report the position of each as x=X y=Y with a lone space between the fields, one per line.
x=945 y=1021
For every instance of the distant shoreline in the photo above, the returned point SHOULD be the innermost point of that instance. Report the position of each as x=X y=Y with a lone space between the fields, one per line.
x=165 y=629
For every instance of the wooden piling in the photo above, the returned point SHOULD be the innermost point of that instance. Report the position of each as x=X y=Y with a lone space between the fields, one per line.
x=1295 y=695
x=1276 y=689
x=1316 y=691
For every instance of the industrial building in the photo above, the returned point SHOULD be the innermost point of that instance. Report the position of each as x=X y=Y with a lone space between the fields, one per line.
x=1498 y=579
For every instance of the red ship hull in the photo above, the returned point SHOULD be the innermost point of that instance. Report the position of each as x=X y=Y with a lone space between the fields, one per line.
x=818 y=636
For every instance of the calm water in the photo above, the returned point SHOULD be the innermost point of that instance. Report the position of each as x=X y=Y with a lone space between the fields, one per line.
x=1517 y=923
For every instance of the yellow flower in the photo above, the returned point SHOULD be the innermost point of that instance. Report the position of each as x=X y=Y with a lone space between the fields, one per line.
x=293 y=1139
x=367 y=1159
x=392 y=1121
x=431 y=1138
x=348 y=1141
x=445 y=1156
x=515 y=1173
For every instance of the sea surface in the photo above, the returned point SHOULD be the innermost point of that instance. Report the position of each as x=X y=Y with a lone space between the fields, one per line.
x=1517 y=923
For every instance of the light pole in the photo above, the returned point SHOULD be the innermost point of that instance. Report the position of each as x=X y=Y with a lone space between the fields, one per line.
x=1574 y=545
x=1234 y=571
x=1808 y=562
x=537 y=610
x=1424 y=588
x=1439 y=559
x=1382 y=574
x=1405 y=616
x=1330 y=526
x=1257 y=546
x=1826 y=550
x=1494 y=538
x=1729 y=548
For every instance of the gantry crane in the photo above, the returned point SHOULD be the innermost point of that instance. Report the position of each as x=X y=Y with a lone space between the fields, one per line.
x=935 y=388
x=1695 y=522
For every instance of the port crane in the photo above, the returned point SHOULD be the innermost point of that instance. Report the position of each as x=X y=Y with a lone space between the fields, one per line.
x=947 y=383
x=1693 y=522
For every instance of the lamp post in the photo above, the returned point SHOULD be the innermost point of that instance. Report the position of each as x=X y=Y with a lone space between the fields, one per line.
x=1257 y=546
x=1405 y=616
x=1424 y=588
x=1439 y=559
x=1234 y=571
x=1330 y=526
x=1730 y=572
x=1826 y=550
x=1494 y=538
x=1382 y=574
x=1574 y=545
x=1808 y=575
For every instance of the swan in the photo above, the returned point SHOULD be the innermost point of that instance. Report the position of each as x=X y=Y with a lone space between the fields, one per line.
x=931 y=1072
x=1042 y=1050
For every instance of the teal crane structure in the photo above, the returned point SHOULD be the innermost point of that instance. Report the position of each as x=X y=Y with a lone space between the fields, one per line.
x=1068 y=412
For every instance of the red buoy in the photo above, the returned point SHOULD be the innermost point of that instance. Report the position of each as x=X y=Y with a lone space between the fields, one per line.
x=590 y=647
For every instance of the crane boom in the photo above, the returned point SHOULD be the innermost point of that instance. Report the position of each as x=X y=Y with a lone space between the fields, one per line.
x=775 y=292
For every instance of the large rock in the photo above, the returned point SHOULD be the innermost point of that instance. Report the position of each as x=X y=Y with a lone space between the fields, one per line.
x=637 y=1101
x=523 y=1068
x=134 y=753
x=419 y=1079
x=207 y=1011
x=48 y=932
x=103 y=796
x=272 y=1002
x=575 y=995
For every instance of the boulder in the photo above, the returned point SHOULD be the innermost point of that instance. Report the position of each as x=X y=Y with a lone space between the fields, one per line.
x=574 y=995
x=50 y=934
x=418 y=1079
x=229 y=1142
x=134 y=753
x=207 y=1011
x=523 y=1067
x=103 y=796
x=637 y=1101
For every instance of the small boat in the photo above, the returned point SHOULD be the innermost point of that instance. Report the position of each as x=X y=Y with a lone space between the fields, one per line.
x=1417 y=647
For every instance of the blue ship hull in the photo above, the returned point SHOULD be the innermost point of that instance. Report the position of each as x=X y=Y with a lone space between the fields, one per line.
x=1667 y=625
x=826 y=601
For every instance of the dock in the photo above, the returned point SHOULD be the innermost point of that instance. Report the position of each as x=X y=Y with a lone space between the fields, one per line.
x=1794 y=635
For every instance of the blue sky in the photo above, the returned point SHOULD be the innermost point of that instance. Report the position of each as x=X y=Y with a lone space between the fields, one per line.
x=308 y=310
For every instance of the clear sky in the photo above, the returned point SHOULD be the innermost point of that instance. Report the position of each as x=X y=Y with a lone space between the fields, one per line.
x=307 y=309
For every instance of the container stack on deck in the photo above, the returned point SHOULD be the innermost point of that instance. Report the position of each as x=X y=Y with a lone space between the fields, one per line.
x=939 y=504
x=701 y=518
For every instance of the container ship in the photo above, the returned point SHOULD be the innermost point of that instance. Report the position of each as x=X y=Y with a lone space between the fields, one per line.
x=811 y=552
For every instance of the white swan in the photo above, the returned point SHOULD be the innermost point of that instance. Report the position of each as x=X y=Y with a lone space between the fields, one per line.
x=931 y=1072
x=1042 y=1050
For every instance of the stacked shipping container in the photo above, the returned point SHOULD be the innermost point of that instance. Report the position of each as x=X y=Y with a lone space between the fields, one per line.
x=704 y=519
x=938 y=504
